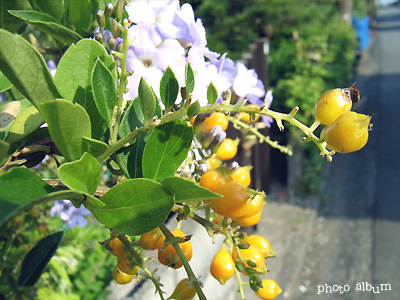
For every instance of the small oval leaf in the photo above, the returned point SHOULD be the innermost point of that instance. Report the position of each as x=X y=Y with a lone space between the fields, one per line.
x=212 y=93
x=147 y=100
x=169 y=88
x=186 y=190
x=167 y=147
x=135 y=206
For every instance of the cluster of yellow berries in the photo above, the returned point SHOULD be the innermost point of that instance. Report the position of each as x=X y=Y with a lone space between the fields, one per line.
x=345 y=131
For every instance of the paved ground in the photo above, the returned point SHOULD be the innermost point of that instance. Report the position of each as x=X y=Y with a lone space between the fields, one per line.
x=349 y=237
x=355 y=238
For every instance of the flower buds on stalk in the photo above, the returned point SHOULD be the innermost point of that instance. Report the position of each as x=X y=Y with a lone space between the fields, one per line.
x=99 y=37
x=101 y=20
x=115 y=30
x=109 y=10
x=119 y=9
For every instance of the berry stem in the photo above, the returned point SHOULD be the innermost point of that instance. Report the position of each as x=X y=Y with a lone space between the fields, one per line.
x=192 y=278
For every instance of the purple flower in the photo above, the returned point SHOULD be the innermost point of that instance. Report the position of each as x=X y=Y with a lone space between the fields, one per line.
x=52 y=67
x=68 y=213
x=160 y=12
x=246 y=83
x=148 y=57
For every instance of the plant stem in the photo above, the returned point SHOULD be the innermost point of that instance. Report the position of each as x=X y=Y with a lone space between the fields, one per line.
x=263 y=138
x=117 y=114
x=220 y=107
x=240 y=284
x=192 y=278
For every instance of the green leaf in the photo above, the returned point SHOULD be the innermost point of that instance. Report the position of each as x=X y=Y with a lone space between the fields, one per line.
x=7 y=21
x=18 y=187
x=80 y=13
x=169 y=88
x=189 y=78
x=212 y=93
x=3 y=151
x=27 y=121
x=105 y=95
x=135 y=206
x=96 y=147
x=74 y=76
x=186 y=190
x=68 y=125
x=55 y=8
x=130 y=158
x=193 y=109
x=238 y=105
x=36 y=260
x=166 y=149
x=47 y=24
x=147 y=100
x=26 y=69
x=82 y=175
x=5 y=84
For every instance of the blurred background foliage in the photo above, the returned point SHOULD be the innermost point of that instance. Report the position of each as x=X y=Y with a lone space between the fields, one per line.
x=312 y=48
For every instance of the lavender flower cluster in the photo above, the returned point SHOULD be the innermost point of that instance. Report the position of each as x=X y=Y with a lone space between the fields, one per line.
x=167 y=34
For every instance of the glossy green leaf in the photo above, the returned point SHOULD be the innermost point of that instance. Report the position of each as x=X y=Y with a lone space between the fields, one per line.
x=18 y=187
x=169 y=88
x=9 y=22
x=47 y=24
x=96 y=147
x=130 y=158
x=147 y=100
x=166 y=149
x=3 y=151
x=36 y=260
x=186 y=190
x=212 y=93
x=105 y=95
x=68 y=124
x=55 y=8
x=26 y=69
x=189 y=78
x=5 y=84
x=193 y=109
x=27 y=121
x=135 y=206
x=80 y=13
x=74 y=75
x=82 y=175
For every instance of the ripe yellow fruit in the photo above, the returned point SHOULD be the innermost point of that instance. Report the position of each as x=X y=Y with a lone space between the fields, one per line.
x=183 y=291
x=248 y=221
x=261 y=243
x=254 y=254
x=121 y=277
x=348 y=133
x=222 y=266
x=269 y=290
x=331 y=104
